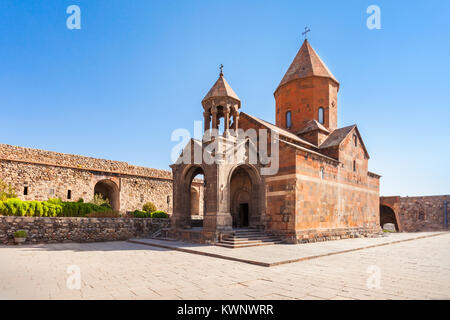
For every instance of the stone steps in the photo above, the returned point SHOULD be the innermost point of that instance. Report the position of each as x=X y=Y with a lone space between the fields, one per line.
x=242 y=238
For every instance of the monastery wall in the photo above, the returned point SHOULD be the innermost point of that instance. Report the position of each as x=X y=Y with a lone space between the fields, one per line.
x=40 y=175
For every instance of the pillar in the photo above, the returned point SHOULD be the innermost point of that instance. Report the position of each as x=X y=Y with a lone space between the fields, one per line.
x=226 y=112
x=215 y=124
x=207 y=119
x=236 y=120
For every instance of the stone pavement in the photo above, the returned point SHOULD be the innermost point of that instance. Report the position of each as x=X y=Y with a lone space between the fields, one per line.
x=273 y=255
x=416 y=269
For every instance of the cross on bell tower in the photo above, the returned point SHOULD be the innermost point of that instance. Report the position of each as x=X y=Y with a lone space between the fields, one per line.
x=305 y=33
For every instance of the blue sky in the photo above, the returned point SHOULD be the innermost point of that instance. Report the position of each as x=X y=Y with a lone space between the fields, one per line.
x=137 y=70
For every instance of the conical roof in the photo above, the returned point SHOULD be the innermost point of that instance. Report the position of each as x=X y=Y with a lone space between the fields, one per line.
x=221 y=89
x=306 y=63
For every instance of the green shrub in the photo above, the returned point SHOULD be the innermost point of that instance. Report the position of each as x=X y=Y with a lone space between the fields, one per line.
x=149 y=207
x=80 y=209
x=13 y=207
x=54 y=201
x=49 y=208
x=81 y=200
x=52 y=208
x=160 y=215
x=141 y=214
x=2 y=208
x=106 y=205
x=20 y=234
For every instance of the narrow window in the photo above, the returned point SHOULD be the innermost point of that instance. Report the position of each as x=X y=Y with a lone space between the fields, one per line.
x=25 y=191
x=69 y=194
x=355 y=140
x=354 y=165
x=288 y=120
x=322 y=171
x=321 y=120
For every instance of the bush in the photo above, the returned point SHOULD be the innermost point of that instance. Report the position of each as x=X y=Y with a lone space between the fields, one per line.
x=81 y=200
x=80 y=209
x=2 y=208
x=20 y=234
x=141 y=214
x=49 y=208
x=55 y=201
x=149 y=207
x=17 y=207
x=58 y=208
x=160 y=215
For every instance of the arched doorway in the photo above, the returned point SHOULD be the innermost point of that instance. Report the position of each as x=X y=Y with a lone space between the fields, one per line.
x=387 y=215
x=195 y=202
x=244 y=197
x=193 y=197
x=109 y=190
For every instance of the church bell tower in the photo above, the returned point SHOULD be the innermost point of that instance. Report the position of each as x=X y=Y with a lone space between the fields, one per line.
x=221 y=102
x=307 y=92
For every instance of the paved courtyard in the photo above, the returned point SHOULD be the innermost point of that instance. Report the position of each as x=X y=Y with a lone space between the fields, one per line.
x=415 y=269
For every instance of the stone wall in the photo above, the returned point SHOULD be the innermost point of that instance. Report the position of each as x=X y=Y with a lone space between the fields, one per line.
x=40 y=175
x=57 y=230
x=36 y=156
x=415 y=214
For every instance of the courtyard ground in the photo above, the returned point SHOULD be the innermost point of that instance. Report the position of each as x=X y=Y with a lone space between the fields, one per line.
x=401 y=266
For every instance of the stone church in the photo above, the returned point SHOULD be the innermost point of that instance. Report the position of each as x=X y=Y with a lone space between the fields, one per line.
x=322 y=188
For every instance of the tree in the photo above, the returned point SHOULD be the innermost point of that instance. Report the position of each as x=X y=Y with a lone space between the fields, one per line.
x=149 y=207
x=99 y=200
x=6 y=191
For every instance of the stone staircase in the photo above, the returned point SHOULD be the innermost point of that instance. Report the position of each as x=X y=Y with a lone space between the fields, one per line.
x=241 y=238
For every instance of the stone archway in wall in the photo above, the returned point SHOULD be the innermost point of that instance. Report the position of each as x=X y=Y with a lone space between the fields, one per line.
x=195 y=202
x=244 y=197
x=387 y=215
x=188 y=199
x=109 y=190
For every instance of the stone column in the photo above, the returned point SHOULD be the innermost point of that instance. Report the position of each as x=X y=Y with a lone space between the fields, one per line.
x=226 y=112
x=236 y=120
x=215 y=124
x=207 y=118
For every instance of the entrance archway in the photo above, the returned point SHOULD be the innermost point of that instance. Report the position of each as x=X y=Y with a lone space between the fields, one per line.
x=109 y=190
x=192 y=198
x=244 y=197
x=195 y=201
x=387 y=215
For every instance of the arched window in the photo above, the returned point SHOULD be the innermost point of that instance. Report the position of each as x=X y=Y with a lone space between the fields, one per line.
x=288 y=120
x=321 y=118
